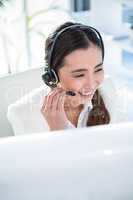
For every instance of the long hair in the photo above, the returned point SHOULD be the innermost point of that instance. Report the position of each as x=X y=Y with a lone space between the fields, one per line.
x=99 y=113
x=68 y=42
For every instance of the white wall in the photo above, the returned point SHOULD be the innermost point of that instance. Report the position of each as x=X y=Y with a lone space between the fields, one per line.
x=107 y=16
x=13 y=87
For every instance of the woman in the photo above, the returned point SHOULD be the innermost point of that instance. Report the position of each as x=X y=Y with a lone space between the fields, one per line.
x=77 y=61
x=74 y=58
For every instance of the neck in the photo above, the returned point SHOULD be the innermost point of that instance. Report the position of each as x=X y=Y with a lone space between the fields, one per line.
x=73 y=109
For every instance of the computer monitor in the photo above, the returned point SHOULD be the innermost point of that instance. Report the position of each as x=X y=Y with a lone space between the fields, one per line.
x=94 y=163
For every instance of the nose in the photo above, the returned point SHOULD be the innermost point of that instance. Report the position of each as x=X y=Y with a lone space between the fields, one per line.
x=89 y=83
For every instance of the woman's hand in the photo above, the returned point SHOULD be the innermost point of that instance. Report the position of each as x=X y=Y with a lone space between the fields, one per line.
x=53 y=109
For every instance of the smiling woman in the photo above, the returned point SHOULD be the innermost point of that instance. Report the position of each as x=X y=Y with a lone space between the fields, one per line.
x=74 y=57
x=78 y=93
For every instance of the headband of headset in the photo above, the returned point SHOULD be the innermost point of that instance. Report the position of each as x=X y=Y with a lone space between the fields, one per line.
x=50 y=77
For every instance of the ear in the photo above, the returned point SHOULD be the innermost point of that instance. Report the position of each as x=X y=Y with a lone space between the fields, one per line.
x=59 y=85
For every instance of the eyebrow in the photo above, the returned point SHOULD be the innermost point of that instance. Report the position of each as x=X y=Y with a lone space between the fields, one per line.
x=83 y=69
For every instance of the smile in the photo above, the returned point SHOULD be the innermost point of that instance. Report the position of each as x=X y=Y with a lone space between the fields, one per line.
x=87 y=93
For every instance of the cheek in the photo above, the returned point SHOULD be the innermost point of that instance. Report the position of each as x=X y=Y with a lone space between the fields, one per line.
x=70 y=83
x=65 y=82
x=99 y=77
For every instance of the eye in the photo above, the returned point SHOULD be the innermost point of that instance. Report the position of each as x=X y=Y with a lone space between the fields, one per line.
x=79 y=76
x=98 y=70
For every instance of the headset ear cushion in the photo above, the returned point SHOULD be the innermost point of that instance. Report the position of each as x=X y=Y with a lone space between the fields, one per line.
x=50 y=78
x=46 y=77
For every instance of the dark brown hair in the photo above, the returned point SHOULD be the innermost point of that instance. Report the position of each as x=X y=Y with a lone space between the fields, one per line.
x=99 y=113
x=69 y=41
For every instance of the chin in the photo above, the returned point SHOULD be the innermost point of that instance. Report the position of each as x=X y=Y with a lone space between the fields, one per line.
x=81 y=103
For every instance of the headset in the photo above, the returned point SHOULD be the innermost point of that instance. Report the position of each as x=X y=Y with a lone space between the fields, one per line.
x=50 y=77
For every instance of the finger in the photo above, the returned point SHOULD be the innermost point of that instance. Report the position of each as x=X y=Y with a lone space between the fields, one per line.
x=55 y=90
x=44 y=104
x=55 y=101
x=52 y=98
x=46 y=99
x=61 y=101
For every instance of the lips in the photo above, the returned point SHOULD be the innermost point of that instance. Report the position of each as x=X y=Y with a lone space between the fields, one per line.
x=89 y=92
x=86 y=93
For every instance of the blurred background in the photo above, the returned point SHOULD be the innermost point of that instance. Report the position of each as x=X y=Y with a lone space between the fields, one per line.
x=25 y=25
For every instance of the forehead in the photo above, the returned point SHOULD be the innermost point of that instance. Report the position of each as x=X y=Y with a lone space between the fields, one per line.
x=83 y=58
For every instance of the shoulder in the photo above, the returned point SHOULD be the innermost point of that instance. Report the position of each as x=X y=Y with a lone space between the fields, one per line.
x=24 y=115
x=33 y=98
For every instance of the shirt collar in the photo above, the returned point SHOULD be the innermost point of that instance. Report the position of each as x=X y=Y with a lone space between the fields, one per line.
x=87 y=106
